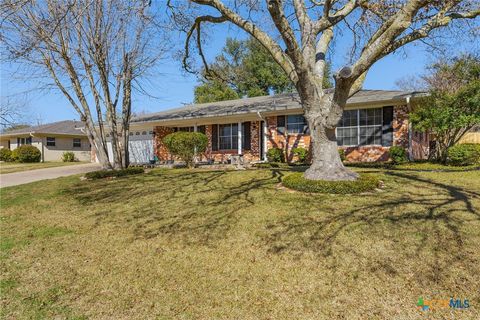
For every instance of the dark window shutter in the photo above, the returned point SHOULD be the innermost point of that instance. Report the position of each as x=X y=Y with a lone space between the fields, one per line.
x=387 y=127
x=214 y=137
x=201 y=129
x=281 y=124
x=246 y=136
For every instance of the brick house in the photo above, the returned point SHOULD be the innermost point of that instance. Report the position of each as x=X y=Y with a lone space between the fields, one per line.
x=373 y=121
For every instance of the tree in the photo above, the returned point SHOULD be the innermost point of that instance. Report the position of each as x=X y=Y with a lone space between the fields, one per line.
x=453 y=107
x=186 y=145
x=245 y=68
x=93 y=52
x=12 y=112
x=305 y=30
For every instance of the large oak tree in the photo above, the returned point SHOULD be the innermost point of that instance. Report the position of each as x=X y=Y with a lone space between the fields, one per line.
x=298 y=34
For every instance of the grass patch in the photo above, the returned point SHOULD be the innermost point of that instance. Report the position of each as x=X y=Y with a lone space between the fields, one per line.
x=11 y=167
x=198 y=244
x=297 y=181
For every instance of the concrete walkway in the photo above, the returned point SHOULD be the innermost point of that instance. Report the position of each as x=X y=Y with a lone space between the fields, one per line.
x=16 y=178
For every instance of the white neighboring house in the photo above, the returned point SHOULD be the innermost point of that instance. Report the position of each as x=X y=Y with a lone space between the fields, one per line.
x=52 y=139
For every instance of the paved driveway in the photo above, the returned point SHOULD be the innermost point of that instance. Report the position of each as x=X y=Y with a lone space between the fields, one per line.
x=16 y=178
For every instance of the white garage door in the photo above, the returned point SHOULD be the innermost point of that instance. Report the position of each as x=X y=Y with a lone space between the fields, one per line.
x=140 y=149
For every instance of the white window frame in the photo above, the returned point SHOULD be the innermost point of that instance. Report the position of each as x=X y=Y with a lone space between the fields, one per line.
x=54 y=142
x=233 y=136
x=79 y=142
x=296 y=133
x=358 y=126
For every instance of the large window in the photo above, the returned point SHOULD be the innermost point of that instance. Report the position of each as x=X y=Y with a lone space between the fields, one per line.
x=227 y=136
x=296 y=124
x=50 y=142
x=362 y=127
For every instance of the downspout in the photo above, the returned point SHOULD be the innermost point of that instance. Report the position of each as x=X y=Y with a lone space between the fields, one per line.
x=264 y=137
x=410 y=129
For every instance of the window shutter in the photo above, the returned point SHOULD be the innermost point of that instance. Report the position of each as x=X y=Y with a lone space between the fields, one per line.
x=281 y=124
x=201 y=129
x=246 y=135
x=214 y=137
x=387 y=127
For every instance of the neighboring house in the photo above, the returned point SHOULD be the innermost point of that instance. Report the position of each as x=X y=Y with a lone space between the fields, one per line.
x=52 y=139
x=373 y=121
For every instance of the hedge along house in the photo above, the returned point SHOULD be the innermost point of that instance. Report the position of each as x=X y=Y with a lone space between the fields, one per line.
x=52 y=139
x=373 y=121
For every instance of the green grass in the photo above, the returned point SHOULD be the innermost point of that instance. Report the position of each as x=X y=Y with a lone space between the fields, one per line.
x=179 y=244
x=10 y=167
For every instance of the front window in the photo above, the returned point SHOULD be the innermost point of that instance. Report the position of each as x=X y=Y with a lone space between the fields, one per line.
x=296 y=124
x=77 y=143
x=360 y=127
x=22 y=141
x=228 y=136
x=50 y=142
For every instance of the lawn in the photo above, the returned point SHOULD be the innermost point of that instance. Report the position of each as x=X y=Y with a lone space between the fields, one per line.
x=178 y=244
x=10 y=167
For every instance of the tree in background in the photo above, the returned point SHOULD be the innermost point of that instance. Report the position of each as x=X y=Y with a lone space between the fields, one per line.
x=299 y=33
x=93 y=52
x=453 y=107
x=243 y=69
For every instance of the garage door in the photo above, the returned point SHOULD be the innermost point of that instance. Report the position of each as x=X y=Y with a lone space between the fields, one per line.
x=140 y=148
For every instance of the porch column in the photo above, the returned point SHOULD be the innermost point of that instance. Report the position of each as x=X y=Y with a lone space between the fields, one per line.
x=239 y=138
x=195 y=128
x=195 y=149
x=264 y=140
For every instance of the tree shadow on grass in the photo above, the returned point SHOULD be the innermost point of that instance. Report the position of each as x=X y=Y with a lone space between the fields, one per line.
x=197 y=206
x=436 y=214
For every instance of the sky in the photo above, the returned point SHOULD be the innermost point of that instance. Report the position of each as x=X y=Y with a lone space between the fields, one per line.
x=172 y=87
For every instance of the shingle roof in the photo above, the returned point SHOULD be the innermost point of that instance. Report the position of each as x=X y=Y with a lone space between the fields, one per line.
x=264 y=104
x=67 y=127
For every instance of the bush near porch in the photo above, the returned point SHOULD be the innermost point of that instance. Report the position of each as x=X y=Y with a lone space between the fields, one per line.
x=199 y=244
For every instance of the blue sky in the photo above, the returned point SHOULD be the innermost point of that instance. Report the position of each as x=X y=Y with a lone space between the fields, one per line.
x=172 y=87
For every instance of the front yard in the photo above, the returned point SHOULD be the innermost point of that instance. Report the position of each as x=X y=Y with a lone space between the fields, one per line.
x=10 y=167
x=174 y=244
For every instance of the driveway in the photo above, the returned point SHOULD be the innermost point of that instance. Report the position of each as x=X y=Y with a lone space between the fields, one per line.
x=16 y=178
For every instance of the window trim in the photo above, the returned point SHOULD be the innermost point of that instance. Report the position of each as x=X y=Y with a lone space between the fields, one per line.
x=358 y=126
x=231 y=136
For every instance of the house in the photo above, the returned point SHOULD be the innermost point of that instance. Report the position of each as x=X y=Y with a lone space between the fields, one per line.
x=52 y=139
x=373 y=121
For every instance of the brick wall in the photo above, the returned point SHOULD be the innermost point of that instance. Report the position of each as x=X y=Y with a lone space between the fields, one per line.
x=286 y=142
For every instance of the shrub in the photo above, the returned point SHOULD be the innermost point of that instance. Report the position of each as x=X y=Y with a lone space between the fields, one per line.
x=68 y=156
x=298 y=182
x=186 y=144
x=275 y=155
x=5 y=155
x=463 y=154
x=301 y=153
x=341 y=152
x=398 y=155
x=26 y=153
x=101 y=174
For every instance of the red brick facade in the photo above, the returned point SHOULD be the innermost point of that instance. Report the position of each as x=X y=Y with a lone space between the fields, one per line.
x=287 y=142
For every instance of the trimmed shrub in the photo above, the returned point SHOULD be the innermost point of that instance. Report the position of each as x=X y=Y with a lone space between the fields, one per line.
x=298 y=182
x=26 y=153
x=101 y=174
x=301 y=153
x=68 y=156
x=341 y=152
x=5 y=155
x=186 y=144
x=275 y=155
x=398 y=154
x=463 y=154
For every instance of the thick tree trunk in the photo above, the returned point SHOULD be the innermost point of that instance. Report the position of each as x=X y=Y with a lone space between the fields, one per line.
x=326 y=162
